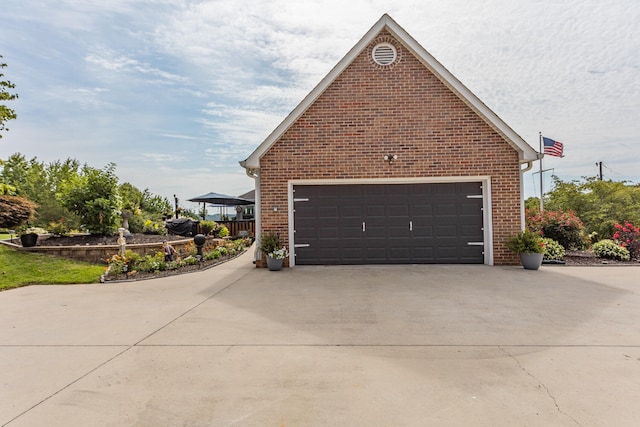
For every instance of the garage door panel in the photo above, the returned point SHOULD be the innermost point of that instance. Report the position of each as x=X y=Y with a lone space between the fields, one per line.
x=399 y=210
x=351 y=211
x=404 y=223
x=328 y=212
x=329 y=232
x=399 y=232
x=375 y=211
x=446 y=231
x=444 y=210
x=422 y=211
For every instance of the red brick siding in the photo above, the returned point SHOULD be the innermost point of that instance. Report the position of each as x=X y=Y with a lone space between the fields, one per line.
x=405 y=110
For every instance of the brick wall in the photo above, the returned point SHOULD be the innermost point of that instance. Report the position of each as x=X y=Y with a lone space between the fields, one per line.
x=370 y=111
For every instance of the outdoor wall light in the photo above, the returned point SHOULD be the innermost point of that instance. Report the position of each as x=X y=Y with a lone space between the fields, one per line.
x=390 y=157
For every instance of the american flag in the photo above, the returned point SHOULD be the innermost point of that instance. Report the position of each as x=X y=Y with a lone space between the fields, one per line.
x=552 y=148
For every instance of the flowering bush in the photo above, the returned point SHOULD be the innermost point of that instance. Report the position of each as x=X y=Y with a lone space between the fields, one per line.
x=279 y=253
x=563 y=227
x=123 y=263
x=628 y=237
x=553 y=250
x=607 y=248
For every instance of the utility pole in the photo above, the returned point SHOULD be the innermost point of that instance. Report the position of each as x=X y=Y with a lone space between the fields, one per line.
x=599 y=164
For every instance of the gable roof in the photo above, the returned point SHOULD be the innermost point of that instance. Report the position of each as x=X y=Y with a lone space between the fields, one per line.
x=525 y=151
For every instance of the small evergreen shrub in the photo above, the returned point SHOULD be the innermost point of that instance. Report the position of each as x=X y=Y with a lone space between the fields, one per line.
x=607 y=248
x=553 y=250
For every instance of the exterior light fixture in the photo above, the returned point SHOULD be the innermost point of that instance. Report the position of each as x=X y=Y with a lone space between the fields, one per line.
x=390 y=157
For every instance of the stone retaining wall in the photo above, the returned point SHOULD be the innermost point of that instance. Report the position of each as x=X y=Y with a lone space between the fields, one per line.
x=99 y=253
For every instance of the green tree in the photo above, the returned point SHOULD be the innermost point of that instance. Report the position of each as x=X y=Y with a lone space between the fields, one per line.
x=93 y=196
x=6 y=113
x=155 y=205
x=40 y=182
x=599 y=204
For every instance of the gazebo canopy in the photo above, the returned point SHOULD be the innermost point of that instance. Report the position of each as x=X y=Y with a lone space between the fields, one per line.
x=221 y=200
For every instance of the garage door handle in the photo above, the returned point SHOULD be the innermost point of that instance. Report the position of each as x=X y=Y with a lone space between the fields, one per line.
x=364 y=226
x=410 y=225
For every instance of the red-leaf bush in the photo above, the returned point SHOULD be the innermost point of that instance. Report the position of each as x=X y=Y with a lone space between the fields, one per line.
x=628 y=237
x=563 y=227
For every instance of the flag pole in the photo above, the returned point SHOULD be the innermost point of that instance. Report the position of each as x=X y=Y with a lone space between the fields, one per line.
x=541 y=182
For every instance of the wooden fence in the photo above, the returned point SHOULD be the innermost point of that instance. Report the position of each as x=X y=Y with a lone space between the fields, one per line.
x=235 y=227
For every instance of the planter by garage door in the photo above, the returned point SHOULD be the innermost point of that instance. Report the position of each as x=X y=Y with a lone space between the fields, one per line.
x=428 y=223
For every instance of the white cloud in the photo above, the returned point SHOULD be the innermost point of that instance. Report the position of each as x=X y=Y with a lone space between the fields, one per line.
x=158 y=85
x=114 y=62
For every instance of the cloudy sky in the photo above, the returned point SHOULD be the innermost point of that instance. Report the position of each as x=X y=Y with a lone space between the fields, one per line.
x=177 y=92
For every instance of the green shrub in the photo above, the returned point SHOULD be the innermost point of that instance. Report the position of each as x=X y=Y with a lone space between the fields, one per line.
x=190 y=260
x=157 y=227
x=58 y=228
x=151 y=264
x=212 y=254
x=553 y=250
x=222 y=231
x=136 y=224
x=607 y=248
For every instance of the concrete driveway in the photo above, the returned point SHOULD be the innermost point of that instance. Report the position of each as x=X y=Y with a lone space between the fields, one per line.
x=327 y=346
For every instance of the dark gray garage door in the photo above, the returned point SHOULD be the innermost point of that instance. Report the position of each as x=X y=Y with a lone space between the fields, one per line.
x=388 y=223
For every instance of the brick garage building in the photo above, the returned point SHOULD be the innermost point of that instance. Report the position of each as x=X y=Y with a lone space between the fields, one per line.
x=391 y=159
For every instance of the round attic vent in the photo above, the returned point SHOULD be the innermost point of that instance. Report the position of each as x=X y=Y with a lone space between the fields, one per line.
x=384 y=54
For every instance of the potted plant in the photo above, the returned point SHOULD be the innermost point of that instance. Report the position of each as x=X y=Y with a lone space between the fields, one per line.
x=530 y=248
x=207 y=227
x=274 y=251
x=28 y=236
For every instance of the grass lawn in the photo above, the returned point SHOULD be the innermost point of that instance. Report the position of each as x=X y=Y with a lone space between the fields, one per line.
x=24 y=268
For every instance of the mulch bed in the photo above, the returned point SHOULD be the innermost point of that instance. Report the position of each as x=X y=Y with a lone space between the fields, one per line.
x=588 y=258
x=139 y=275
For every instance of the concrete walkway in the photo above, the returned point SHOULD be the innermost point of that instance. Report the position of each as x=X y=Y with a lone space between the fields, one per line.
x=327 y=346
